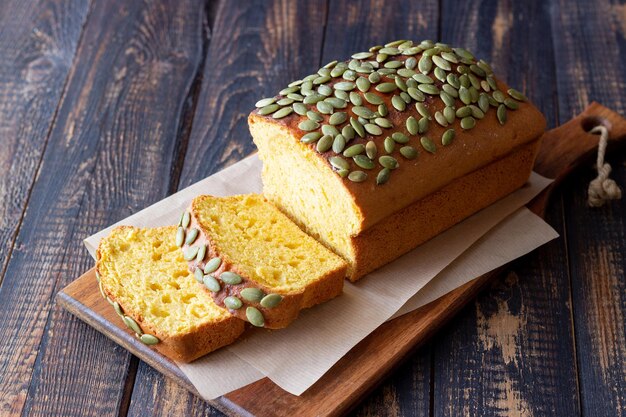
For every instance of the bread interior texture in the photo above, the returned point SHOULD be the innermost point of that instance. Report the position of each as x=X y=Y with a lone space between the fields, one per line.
x=145 y=272
x=303 y=186
x=263 y=243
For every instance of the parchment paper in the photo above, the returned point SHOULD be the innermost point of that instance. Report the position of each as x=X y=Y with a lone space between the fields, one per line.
x=296 y=357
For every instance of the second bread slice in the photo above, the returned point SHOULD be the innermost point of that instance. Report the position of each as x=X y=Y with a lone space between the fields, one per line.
x=255 y=261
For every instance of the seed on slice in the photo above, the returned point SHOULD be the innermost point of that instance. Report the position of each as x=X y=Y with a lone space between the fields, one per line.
x=517 y=95
x=441 y=63
x=344 y=86
x=198 y=275
x=230 y=278
x=511 y=104
x=338 y=118
x=324 y=107
x=186 y=220
x=336 y=102
x=483 y=102
x=201 y=253
x=425 y=64
x=447 y=137
x=382 y=122
x=255 y=317
x=498 y=96
x=408 y=152
x=382 y=110
x=370 y=149
x=211 y=283
x=338 y=162
x=398 y=103
x=357 y=176
x=389 y=144
x=264 y=111
x=362 y=55
x=180 y=236
x=363 y=84
x=428 y=144
x=388 y=162
x=476 y=112
x=465 y=95
x=190 y=253
x=339 y=143
x=463 y=111
x=363 y=112
x=422 y=110
x=212 y=265
x=428 y=89
x=233 y=303
x=357 y=126
x=315 y=116
x=299 y=108
x=354 y=150
x=348 y=132
x=252 y=294
x=271 y=300
x=440 y=118
x=422 y=125
x=449 y=114
x=148 y=339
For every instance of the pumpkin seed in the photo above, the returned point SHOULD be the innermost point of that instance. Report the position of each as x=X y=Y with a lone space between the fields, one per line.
x=370 y=149
x=191 y=236
x=264 y=111
x=288 y=90
x=308 y=125
x=363 y=161
x=416 y=94
x=412 y=125
x=313 y=98
x=311 y=137
x=98 y=278
x=255 y=317
x=439 y=74
x=348 y=132
x=362 y=55
x=483 y=102
x=408 y=152
x=474 y=81
x=428 y=89
x=324 y=144
x=186 y=220
x=339 y=143
x=422 y=110
x=132 y=324
x=212 y=265
x=180 y=236
x=338 y=162
x=449 y=114
x=148 y=339
x=363 y=84
x=463 y=111
x=382 y=110
x=511 y=104
x=211 y=283
x=410 y=63
x=363 y=112
x=355 y=99
x=321 y=80
x=252 y=294
x=428 y=144
x=400 y=83
x=447 y=99
x=233 y=303
x=285 y=111
x=448 y=137
x=316 y=117
x=405 y=72
x=230 y=278
x=201 y=253
x=299 y=108
x=386 y=87
x=190 y=253
x=501 y=114
x=337 y=103
x=425 y=64
x=398 y=103
x=265 y=102
x=453 y=80
x=357 y=126
x=389 y=144
x=329 y=130
x=382 y=122
x=357 y=176
x=198 y=275
x=498 y=96
x=118 y=309
x=338 y=118
x=492 y=83
x=477 y=112
x=388 y=162
x=324 y=107
x=373 y=98
x=477 y=70
x=422 y=125
x=440 y=118
x=271 y=300
x=383 y=176
x=344 y=86
x=449 y=56
x=283 y=102
x=441 y=63
x=468 y=122
x=464 y=95
x=373 y=129
x=349 y=75
x=400 y=137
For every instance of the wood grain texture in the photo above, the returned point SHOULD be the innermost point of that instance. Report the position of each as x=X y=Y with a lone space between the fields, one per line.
x=520 y=330
x=255 y=48
x=113 y=131
x=590 y=45
x=37 y=46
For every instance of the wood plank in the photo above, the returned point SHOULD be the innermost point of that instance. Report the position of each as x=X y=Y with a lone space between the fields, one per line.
x=590 y=44
x=254 y=47
x=512 y=351
x=114 y=130
x=356 y=27
x=37 y=46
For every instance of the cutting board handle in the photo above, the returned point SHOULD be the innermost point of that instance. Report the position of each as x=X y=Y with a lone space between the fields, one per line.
x=566 y=146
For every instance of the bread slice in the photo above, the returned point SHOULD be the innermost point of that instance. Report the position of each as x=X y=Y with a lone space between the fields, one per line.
x=143 y=274
x=255 y=261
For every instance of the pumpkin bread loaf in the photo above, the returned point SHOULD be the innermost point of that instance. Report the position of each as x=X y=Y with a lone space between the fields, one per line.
x=142 y=273
x=375 y=155
x=256 y=262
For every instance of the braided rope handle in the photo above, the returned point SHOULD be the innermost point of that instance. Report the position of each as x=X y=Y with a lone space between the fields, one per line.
x=602 y=188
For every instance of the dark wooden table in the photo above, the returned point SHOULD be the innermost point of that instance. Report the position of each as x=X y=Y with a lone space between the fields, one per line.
x=109 y=106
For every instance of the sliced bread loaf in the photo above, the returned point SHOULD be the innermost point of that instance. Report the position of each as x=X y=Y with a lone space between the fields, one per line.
x=255 y=261
x=142 y=273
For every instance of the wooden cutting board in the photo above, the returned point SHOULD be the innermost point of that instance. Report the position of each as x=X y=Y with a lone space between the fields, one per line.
x=357 y=373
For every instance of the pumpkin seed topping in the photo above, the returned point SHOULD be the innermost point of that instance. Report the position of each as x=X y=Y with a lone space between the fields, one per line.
x=211 y=283
x=271 y=300
x=252 y=294
x=255 y=317
x=148 y=339
x=212 y=265
x=428 y=144
x=233 y=303
x=408 y=152
x=357 y=176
